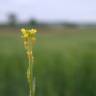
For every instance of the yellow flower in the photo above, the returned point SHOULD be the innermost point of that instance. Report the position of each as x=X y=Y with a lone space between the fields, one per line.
x=33 y=31
x=29 y=40
x=23 y=31
x=28 y=33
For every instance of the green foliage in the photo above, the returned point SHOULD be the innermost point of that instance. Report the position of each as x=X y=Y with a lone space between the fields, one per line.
x=65 y=65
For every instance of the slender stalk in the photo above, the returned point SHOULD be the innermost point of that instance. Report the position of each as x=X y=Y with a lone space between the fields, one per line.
x=30 y=79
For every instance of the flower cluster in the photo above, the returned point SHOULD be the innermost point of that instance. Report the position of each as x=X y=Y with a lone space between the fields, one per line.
x=29 y=39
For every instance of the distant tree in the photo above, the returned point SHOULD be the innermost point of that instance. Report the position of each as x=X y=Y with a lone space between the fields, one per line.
x=12 y=19
x=70 y=25
x=33 y=23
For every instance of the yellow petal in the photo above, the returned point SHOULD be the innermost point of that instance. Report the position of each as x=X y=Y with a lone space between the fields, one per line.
x=25 y=36
x=23 y=31
x=33 y=31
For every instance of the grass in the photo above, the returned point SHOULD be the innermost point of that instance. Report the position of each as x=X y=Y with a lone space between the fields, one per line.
x=65 y=63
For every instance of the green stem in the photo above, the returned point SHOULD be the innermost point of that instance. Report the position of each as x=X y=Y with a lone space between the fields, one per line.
x=31 y=80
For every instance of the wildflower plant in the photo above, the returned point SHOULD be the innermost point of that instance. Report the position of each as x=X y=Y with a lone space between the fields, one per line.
x=28 y=36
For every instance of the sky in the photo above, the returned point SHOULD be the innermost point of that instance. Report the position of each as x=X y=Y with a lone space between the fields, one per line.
x=50 y=10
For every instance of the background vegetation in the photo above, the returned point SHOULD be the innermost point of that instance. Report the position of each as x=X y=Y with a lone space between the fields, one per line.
x=65 y=62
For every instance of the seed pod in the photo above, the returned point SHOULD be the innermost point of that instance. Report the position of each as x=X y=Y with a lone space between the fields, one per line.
x=26 y=44
x=29 y=54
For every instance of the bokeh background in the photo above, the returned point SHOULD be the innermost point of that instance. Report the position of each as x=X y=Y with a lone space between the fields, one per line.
x=65 y=50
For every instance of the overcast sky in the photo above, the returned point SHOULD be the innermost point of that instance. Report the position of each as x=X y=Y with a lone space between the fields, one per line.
x=50 y=10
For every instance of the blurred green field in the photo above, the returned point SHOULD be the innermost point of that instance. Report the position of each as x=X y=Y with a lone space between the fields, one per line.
x=65 y=63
